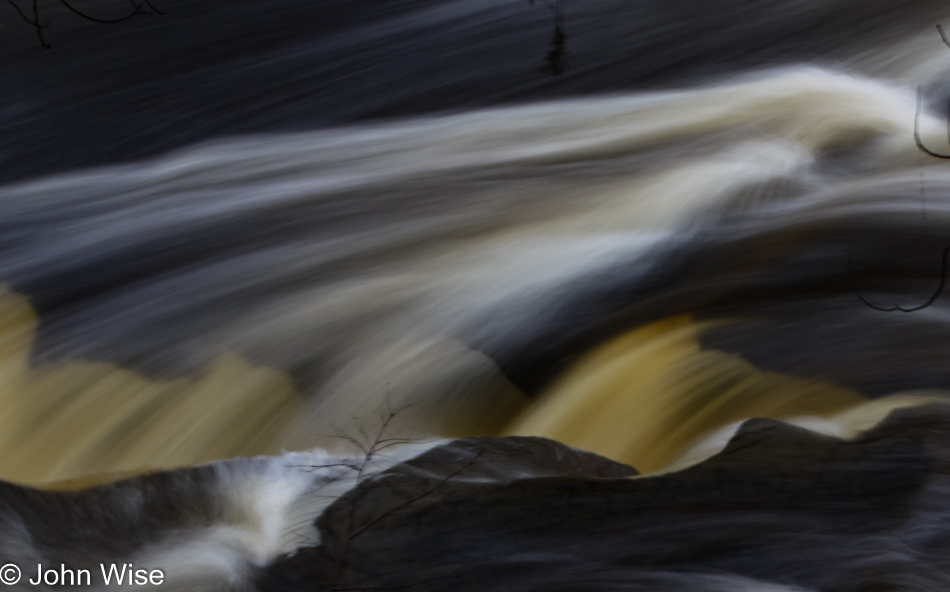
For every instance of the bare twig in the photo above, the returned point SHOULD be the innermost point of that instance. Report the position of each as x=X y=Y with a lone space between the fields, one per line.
x=946 y=250
x=467 y=464
x=35 y=21
x=556 y=61
x=931 y=300
x=920 y=143
x=371 y=447
x=135 y=10
x=943 y=35
x=352 y=536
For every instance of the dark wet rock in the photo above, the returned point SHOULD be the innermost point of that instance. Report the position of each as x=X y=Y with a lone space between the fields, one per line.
x=780 y=505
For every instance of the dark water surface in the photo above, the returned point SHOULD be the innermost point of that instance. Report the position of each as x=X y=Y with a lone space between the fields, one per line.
x=115 y=93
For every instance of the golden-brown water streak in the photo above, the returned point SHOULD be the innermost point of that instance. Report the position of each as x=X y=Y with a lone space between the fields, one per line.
x=65 y=420
x=646 y=396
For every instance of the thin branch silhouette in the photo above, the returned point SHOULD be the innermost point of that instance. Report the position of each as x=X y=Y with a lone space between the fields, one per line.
x=943 y=35
x=556 y=61
x=920 y=143
x=35 y=22
x=341 y=567
x=923 y=208
x=946 y=251
x=369 y=447
x=917 y=139
x=137 y=9
x=931 y=300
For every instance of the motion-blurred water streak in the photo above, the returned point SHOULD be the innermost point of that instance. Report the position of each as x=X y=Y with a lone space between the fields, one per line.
x=233 y=254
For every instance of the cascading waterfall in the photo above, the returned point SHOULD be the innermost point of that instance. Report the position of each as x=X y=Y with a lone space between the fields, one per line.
x=632 y=273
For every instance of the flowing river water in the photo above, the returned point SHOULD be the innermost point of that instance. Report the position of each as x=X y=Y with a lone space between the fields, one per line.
x=208 y=255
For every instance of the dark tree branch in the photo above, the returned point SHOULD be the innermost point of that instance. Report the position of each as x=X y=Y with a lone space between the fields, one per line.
x=136 y=10
x=35 y=21
x=943 y=35
x=445 y=479
x=555 y=62
x=946 y=251
x=371 y=449
x=346 y=546
x=920 y=143
x=931 y=300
